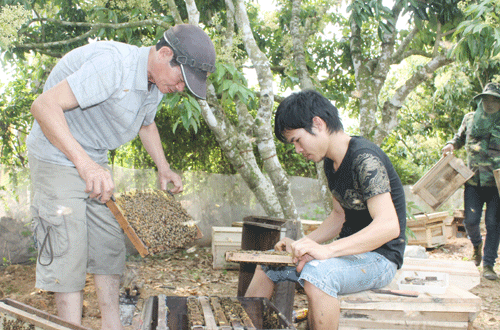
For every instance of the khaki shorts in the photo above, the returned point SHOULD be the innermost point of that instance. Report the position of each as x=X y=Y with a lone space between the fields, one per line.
x=74 y=234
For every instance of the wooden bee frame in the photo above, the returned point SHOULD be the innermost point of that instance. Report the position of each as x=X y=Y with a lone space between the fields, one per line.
x=442 y=180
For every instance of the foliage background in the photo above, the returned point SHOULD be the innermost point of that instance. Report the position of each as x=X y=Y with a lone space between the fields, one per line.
x=428 y=118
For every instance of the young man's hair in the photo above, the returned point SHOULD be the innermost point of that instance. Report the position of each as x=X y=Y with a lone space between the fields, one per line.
x=298 y=110
x=163 y=43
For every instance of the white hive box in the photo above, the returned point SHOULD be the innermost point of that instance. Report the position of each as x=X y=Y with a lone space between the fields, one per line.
x=225 y=239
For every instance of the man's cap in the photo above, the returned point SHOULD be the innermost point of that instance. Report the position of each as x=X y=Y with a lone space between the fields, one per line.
x=491 y=88
x=195 y=53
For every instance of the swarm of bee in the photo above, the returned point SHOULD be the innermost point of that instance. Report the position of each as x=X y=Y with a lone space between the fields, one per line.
x=273 y=263
x=227 y=311
x=16 y=325
x=234 y=311
x=158 y=219
x=195 y=313
x=271 y=319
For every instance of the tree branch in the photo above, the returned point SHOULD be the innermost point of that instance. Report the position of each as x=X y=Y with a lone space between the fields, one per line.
x=94 y=28
x=298 y=48
x=399 y=54
x=174 y=11
x=45 y=45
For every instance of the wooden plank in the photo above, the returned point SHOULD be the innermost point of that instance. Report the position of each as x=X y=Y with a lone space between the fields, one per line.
x=136 y=241
x=428 y=198
x=458 y=166
x=357 y=324
x=247 y=322
x=162 y=313
x=496 y=174
x=30 y=318
x=147 y=314
x=210 y=323
x=18 y=306
x=463 y=274
x=454 y=300
x=424 y=180
x=258 y=257
x=219 y=312
x=421 y=220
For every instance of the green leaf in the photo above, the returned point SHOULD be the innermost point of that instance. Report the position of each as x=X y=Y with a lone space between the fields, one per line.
x=233 y=89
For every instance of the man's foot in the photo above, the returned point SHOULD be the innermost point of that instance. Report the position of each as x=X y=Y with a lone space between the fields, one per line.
x=477 y=256
x=489 y=273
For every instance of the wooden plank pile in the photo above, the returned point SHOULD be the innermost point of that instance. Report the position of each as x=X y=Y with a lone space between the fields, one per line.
x=455 y=309
x=429 y=229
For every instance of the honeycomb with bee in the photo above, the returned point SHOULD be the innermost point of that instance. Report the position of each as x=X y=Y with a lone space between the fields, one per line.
x=158 y=219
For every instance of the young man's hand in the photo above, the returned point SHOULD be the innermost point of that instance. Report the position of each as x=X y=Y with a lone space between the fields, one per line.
x=284 y=245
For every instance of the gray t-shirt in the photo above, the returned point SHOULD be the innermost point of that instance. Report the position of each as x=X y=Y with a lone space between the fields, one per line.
x=110 y=82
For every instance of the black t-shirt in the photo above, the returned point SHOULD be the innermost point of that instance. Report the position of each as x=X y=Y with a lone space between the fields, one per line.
x=365 y=172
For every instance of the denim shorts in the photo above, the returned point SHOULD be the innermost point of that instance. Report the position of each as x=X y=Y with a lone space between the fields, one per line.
x=339 y=276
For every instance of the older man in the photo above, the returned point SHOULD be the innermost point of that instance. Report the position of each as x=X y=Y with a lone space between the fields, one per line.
x=97 y=98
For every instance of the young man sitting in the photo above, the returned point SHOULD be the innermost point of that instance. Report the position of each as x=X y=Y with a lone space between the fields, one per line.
x=368 y=216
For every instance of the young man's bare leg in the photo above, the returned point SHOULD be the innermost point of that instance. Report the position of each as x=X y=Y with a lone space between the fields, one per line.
x=108 y=290
x=69 y=306
x=324 y=310
x=261 y=285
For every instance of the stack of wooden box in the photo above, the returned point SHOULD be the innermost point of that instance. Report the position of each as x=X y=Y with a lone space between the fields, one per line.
x=454 y=309
x=430 y=229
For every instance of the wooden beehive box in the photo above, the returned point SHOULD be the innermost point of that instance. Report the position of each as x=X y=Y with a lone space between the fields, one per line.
x=172 y=313
x=455 y=309
x=426 y=219
x=429 y=236
x=429 y=229
x=225 y=239
x=442 y=180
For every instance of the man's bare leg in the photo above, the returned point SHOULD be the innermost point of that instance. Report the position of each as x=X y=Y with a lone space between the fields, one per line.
x=261 y=285
x=108 y=290
x=69 y=306
x=324 y=310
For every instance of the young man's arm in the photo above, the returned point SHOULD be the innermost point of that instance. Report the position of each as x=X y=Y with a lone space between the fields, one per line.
x=327 y=230
x=48 y=110
x=383 y=228
x=331 y=226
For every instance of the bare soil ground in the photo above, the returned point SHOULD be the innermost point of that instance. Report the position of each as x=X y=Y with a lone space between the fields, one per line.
x=182 y=273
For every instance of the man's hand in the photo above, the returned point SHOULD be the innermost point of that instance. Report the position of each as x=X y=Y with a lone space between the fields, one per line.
x=284 y=245
x=170 y=176
x=98 y=181
x=447 y=149
x=305 y=250
x=302 y=261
